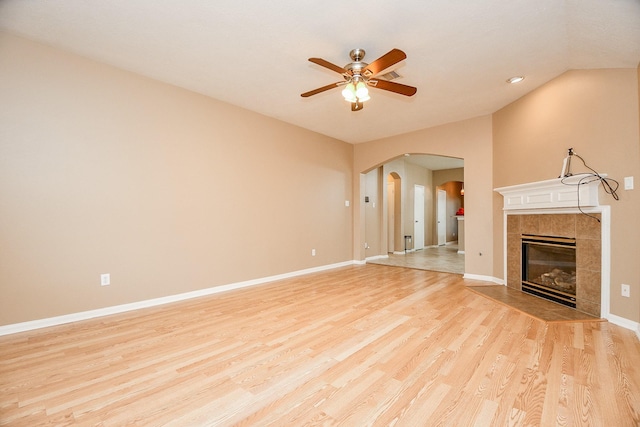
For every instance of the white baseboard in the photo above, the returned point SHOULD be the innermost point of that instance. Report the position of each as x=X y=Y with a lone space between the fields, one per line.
x=483 y=278
x=107 y=311
x=625 y=323
x=372 y=258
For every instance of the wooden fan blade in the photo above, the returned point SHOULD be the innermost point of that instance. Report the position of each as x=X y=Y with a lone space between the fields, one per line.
x=385 y=61
x=320 y=89
x=329 y=65
x=394 y=87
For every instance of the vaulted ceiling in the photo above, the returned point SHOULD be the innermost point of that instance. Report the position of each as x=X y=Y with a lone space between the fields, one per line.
x=253 y=53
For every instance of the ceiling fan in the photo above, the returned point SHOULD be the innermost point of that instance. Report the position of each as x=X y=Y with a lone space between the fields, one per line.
x=358 y=75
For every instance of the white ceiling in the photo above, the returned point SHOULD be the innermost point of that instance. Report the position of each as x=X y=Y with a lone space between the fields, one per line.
x=435 y=162
x=253 y=53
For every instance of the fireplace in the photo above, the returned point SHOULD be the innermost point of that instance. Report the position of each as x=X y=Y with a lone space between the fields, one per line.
x=562 y=220
x=549 y=268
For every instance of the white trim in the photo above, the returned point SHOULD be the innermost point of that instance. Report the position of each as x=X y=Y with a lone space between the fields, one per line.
x=107 y=311
x=374 y=257
x=483 y=278
x=624 y=322
x=404 y=252
x=605 y=261
x=565 y=192
x=575 y=210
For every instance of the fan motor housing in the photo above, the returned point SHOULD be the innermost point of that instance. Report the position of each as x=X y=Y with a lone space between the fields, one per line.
x=357 y=65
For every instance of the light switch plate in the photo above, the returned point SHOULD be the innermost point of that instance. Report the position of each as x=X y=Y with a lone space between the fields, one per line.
x=105 y=279
x=628 y=183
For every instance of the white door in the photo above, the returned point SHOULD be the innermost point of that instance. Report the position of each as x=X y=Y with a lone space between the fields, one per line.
x=391 y=217
x=418 y=217
x=442 y=217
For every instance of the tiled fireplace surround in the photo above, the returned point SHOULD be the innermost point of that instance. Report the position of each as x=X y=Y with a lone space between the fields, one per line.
x=550 y=208
x=584 y=229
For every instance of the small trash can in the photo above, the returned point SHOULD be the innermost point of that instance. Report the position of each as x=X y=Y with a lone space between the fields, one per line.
x=407 y=243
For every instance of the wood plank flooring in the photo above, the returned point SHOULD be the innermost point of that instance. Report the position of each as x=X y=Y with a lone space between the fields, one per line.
x=361 y=345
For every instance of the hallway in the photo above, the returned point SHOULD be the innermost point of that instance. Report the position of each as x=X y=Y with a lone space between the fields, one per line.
x=444 y=259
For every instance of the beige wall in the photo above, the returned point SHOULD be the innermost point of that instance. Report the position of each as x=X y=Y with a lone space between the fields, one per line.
x=470 y=140
x=373 y=213
x=447 y=175
x=595 y=112
x=104 y=171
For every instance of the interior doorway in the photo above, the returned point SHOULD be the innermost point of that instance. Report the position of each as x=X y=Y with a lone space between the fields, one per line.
x=418 y=216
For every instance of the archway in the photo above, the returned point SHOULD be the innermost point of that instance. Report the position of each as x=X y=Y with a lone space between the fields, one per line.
x=398 y=180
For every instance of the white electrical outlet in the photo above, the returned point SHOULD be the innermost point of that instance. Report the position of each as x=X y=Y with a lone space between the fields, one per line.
x=313 y=252
x=625 y=290
x=105 y=279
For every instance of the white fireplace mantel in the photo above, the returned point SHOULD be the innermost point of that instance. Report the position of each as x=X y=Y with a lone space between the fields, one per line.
x=568 y=192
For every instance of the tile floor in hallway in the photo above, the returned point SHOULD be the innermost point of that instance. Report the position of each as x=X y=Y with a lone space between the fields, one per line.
x=435 y=258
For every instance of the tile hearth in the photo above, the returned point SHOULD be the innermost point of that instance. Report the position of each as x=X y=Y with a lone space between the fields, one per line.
x=533 y=306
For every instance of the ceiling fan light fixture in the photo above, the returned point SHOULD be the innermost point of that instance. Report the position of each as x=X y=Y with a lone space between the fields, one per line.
x=358 y=74
x=349 y=93
x=362 y=92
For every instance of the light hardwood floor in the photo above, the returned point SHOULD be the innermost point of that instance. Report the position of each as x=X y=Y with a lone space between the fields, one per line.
x=361 y=345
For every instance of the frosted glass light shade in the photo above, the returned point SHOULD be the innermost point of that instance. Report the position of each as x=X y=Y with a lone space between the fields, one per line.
x=349 y=93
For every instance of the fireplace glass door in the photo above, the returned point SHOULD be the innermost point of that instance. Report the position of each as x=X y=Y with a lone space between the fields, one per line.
x=549 y=268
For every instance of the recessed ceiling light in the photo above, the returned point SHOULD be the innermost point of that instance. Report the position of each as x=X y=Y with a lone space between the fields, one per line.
x=516 y=79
